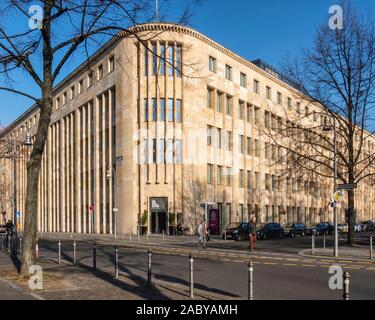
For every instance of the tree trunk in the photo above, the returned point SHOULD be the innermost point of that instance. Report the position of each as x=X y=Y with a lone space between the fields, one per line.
x=31 y=201
x=351 y=217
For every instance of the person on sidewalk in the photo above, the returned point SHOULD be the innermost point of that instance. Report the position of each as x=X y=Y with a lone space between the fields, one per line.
x=252 y=233
x=201 y=233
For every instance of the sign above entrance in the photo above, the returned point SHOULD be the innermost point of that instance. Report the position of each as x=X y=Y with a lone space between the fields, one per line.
x=159 y=204
x=350 y=186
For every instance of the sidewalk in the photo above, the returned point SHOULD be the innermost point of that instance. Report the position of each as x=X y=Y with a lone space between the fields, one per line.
x=67 y=282
x=357 y=253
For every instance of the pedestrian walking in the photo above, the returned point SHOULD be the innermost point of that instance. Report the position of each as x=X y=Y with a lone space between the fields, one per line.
x=252 y=233
x=201 y=233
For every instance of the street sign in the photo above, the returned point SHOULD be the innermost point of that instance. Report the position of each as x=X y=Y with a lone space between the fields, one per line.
x=115 y=209
x=349 y=186
x=18 y=214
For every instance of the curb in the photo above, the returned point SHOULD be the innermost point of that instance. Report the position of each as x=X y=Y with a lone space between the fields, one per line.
x=303 y=254
x=20 y=290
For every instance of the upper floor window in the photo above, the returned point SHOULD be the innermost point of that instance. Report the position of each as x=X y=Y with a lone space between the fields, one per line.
x=100 y=72
x=268 y=92
x=111 y=64
x=65 y=98
x=219 y=101
x=209 y=135
x=289 y=103
x=89 y=80
x=212 y=64
x=241 y=110
x=154 y=60
x=243 y=80
x=210 y=93
x=279 y=98
x=58 y=103
x=162 y=60
x=72 y=93
x=210 y=169
x=178 y=112
x=229 y=105
x=256 y=86
x=80 y=86
x=228 y=72
x=170 y=61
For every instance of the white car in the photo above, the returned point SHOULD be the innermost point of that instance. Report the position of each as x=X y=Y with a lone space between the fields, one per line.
x=343 y=227
x=357 y=227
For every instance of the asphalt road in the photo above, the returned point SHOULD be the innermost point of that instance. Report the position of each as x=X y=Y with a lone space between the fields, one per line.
x=274 y=278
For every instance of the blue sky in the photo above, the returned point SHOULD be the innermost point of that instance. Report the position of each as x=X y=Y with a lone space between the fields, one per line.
x=267 y=29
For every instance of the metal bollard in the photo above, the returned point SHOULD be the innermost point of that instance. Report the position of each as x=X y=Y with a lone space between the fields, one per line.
x=37 y=248
x=225 y=236
x=2 y=242
x=163 y=235
x=59 y=257
x=20 y=245
x=138 y=235
x=313 y=244
x=250 y=281
x=130 y=236
x=191 y=276
x=149 y=268
x=94 y=257
x=74 y=252
x=324 y=240
x=346 y=278
x=371 y=257
x=116 y=262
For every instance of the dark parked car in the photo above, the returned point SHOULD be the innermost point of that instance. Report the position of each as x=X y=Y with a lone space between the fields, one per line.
x=270 y=230
x=368 y=226
x=294 y=229
x=330 y=228
x=318 y=229
x=237 y=231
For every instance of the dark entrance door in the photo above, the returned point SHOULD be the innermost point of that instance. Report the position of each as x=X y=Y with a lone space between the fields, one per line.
x=158 y=222
x=159 y=209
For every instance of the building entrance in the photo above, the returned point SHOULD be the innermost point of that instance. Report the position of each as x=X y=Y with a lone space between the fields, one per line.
x=159 y=216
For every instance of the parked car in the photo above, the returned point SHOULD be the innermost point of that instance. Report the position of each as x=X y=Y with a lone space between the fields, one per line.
x=318 y=229
x=294 y=229
x=342 y=227
x=270 y=230
x=330 y=227
x=368 y=226
x=357 y=227
x=237 y=231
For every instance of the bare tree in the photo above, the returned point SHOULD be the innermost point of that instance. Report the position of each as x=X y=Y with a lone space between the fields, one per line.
x=337 y=79
x=68 y=28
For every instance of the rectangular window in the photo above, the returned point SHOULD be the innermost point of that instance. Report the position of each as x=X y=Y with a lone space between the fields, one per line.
x=57 y=103
x=219 y=138
x=299 y=107
x=89 y=80
x=209 y=135
x=178 y=145
x=170 y=110
x=162 y=110
x=228 y=72
x=241 y=110
x=65 y=98
x=178 y=64
x=229 y=176
x=256 y=115
x=241 y=178
x=228 y=141
x=80 y=86
x=243 y=80
x=146 y=109
x=162 y=151
x=229 y=105
x=256 y=86
x=241 y=143
x=219 y=175
x=170 y=61
x=257 y=181
x=256 y=148
x=111 y=64
x=289 y=103
x=146 y=62
x=162 y=60
x=267 y=182
x=154 y=109
x=154 y=159
x=154 y=60
x=212 y=64
x=248 y=113
x=100 y=72
x=210 y=93
x=72 y=93
x=267 y=150
x=219 y=102
x=169 y=151
x=178 y=113
x=209 y=173
x=248 y=147
x=268 y=93
x=279 y=98
x=266 y=119
x=147 y=159
x=248 y=182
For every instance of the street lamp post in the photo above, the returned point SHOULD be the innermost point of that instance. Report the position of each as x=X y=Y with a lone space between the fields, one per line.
x=111 y=172
x=328 y=128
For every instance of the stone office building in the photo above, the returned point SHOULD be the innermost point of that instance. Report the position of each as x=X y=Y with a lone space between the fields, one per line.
x=158 y=127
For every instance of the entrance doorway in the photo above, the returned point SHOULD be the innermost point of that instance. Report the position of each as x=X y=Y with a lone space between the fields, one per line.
x=158 y=222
